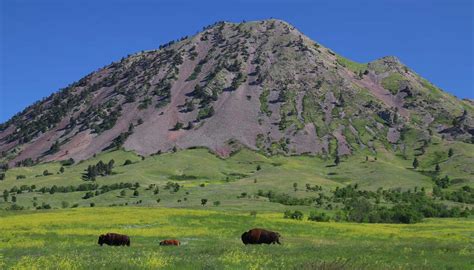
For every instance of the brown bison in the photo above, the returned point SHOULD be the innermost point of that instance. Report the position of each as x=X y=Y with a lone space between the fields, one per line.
x=170 y=243
x=114 y=239
x=260 y=236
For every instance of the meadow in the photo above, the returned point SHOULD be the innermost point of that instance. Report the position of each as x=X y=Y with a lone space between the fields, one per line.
x=67 y=239
x=203 y=175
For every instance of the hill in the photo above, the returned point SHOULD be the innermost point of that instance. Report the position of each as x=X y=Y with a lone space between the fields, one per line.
x=261 y=85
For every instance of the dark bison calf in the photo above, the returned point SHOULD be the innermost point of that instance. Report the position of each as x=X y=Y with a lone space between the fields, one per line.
x=260 y=236
x=170 y=243
x=114 y=239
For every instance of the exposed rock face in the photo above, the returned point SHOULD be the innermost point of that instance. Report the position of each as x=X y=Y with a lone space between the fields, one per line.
x=263 y=85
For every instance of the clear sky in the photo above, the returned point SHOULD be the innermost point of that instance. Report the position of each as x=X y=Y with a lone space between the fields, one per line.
x=46 y=45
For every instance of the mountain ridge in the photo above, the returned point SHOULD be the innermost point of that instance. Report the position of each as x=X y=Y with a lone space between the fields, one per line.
x=261 y=85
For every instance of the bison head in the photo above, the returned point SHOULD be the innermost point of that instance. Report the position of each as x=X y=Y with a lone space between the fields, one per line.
x=101 y=240
x=244 y=238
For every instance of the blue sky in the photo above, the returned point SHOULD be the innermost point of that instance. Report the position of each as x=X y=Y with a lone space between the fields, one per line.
x=45 y=45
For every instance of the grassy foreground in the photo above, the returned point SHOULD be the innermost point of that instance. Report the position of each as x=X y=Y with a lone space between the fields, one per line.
x=67 y=239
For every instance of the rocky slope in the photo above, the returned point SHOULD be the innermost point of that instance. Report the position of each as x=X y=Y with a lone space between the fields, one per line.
x=263 y=85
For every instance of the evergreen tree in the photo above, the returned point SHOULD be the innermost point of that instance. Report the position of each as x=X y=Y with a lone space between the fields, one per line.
x=337 y=160
x=450 y=152
x=415 y=163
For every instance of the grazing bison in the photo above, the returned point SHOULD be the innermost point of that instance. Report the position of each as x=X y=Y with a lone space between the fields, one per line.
x=114 y=239
x=170 y=243
x=260 y=236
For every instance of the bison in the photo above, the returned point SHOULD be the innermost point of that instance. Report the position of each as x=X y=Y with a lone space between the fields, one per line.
x=260 y=236
x=114 y=239
x=170 y=243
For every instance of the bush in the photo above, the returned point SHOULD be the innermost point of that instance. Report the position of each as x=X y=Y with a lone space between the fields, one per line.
x=319 y=217
x=64 y=204
x=67 y=162
x=127 y=162
x=15 y=207
x=20 y=177
x=298 y=215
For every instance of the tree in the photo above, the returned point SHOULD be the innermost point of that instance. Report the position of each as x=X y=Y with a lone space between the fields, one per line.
x=450 y=152
x=437 y=168
x=337 y=160
x=5 y=195
x=92 y=204
x=135 y=193
x=295 y=186
x=123 y=193
x=259 y=167
x=64 y=204
x=45 y=172
x=54 y=148
x=61 y=170
x=415 y=163
x=13 y=199
x=127 y=162
x=203 y=202
x=178 y=126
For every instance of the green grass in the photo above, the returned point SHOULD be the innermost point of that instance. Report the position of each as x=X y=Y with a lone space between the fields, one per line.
x=226 y=179
x=351 y=65
x=67 y=239
x=392 y=82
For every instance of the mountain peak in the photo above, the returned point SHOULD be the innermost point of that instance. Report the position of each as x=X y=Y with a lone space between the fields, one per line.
x=260 y=84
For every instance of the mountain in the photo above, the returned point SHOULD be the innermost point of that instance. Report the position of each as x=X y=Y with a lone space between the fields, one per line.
x=262 y=85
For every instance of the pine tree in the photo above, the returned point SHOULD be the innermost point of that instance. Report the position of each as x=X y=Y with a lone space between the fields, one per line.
x=450 y=152
x=337 y=160
x=415 y=163
x=5 y=195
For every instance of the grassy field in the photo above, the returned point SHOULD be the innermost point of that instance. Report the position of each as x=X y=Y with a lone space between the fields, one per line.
x=225 y=179
x=67 y=239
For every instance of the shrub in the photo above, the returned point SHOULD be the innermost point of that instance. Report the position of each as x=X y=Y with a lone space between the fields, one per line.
x=64 y=204
x=127 y=162
x=319 y=217
x=298 y=215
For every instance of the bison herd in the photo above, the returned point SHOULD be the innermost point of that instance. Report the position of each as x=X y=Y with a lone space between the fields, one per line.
x=253 y=236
